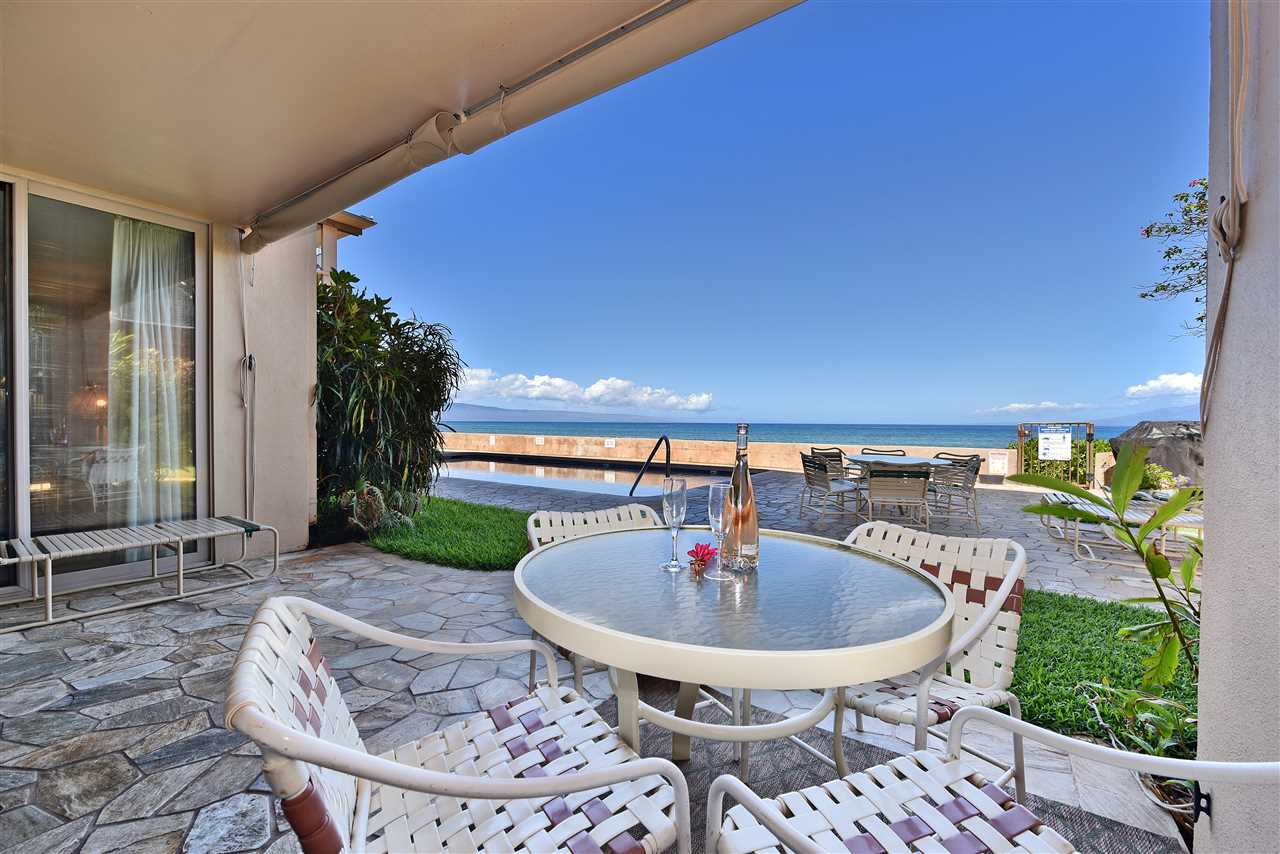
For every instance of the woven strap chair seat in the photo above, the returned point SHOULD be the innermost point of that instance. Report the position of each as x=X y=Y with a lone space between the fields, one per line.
x=524 y=738
x=894 y=700
x=918 y=802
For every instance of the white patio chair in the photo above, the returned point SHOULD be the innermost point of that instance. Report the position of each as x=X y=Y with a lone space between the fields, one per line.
x=551 y=526
x=930 y=801
x=953 y=492
x=823 y=491
x=539 y=773
x=986 y=581
x=905 y=487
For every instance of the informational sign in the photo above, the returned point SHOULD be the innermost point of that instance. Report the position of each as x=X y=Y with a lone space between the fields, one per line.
x=1055 y=443
x=998 y=462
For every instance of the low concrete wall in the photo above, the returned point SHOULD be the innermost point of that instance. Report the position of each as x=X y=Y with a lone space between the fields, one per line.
x=779 y=456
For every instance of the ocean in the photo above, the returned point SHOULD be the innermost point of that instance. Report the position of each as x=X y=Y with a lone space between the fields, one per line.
x=940 y=435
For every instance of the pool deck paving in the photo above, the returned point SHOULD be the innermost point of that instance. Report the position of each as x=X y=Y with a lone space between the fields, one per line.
x=1051 y=564
x=111 y=735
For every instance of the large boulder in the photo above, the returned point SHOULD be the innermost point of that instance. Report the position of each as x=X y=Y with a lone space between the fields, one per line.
x=1173 y=444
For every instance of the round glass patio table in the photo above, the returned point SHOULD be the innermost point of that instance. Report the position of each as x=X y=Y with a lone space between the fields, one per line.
x=816 y=614
x=892 y=460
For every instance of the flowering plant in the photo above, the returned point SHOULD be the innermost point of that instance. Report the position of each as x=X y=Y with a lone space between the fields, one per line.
x=702 y=552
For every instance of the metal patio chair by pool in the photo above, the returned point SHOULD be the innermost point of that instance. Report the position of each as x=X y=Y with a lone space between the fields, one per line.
x=904 y=487
x=882 y=452
x=932 y=801
x=953 y=492
x=973 y=461
x=38 y=554
x=986 y=581
x=551 y=526
x=825 y=490
x=539 y=773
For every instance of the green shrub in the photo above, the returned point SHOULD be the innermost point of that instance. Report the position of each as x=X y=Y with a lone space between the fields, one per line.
x=1032 y=464
x=1155 y=476
x=381 y=383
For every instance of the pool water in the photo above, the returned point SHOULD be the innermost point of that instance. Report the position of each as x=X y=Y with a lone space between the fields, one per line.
x=611 y=481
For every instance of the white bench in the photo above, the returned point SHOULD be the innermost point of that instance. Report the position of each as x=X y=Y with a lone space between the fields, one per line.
x=39 y=552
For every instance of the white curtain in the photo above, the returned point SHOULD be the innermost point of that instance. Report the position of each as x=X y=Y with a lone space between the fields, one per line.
x=147 y=437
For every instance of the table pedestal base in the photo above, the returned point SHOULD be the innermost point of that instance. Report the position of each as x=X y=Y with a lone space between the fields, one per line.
x=632 y=711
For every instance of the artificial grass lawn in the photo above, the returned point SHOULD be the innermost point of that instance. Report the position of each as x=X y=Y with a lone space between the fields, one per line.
x=457 y=533
x=1069 y=640
x=1064 y=640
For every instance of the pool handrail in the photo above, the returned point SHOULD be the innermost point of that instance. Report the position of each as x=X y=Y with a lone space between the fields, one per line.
x=661 y=441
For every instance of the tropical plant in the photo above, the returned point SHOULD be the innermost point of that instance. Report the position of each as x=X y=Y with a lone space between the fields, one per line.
x=1156 y=476
x=1177 y=632
x=1158 y=726
x=1184 y=232
x=367 y=508
x=382 y=382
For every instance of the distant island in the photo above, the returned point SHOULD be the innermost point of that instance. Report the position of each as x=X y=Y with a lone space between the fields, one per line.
x=476 y=412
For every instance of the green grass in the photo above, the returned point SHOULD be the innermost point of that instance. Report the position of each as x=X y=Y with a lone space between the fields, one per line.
x=1065 y=640
x=457 y=533
x=1068 y=640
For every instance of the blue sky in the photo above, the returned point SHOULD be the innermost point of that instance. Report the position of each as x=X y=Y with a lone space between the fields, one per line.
x=849 y=213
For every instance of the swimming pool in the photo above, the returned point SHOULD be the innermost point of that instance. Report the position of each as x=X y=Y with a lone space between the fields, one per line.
x=580 y=477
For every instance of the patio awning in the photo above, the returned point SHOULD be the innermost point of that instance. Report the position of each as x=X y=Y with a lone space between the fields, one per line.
x=275 y=116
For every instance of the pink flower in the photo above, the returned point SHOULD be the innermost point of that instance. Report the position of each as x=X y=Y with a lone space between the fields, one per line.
x=702 y=552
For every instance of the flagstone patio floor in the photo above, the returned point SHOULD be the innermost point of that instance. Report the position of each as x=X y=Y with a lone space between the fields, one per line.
x=111 y=735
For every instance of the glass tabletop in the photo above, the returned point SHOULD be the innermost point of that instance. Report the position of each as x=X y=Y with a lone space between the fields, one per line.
x=889 y=459
x=808 y=594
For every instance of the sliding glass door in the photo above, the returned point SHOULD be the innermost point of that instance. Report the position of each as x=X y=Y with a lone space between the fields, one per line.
x=111 y=305
x=8 y=576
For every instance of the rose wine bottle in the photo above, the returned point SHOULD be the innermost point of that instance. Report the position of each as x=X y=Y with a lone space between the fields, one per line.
x=742 y=527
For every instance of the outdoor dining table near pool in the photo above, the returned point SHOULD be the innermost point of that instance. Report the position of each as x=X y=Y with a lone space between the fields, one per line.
x=816 y=614
x=892 y=460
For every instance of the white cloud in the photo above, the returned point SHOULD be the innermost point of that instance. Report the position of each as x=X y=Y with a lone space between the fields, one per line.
x=1042 y=406
x=1166 y=384
x=610 y=391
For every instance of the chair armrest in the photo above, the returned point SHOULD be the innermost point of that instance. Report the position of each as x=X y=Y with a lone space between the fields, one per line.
x=1256 y=773
x=764 y=811
x=350 y=624
x=285 y=742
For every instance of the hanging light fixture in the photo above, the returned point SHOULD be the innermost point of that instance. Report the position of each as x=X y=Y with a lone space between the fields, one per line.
x=89 y=402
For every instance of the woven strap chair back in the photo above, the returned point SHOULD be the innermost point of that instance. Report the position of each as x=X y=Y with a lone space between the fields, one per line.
x=281 y=671
x=552 y=526
x=974 y=568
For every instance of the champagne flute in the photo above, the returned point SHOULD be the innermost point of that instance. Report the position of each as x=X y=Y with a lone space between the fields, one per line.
x=675 y=501
x=717 y=495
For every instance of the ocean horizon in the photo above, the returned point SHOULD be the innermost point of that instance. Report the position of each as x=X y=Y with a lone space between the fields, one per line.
x=940 y=435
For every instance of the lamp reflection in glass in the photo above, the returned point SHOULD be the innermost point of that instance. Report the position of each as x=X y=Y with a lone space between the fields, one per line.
x=89 y=403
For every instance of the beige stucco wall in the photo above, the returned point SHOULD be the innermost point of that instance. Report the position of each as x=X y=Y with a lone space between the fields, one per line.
x=780 y=456
x=1240 y=637
x=281 y=326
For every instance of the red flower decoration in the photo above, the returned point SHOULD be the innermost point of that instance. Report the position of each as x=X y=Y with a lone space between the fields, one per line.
x=702 y=552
